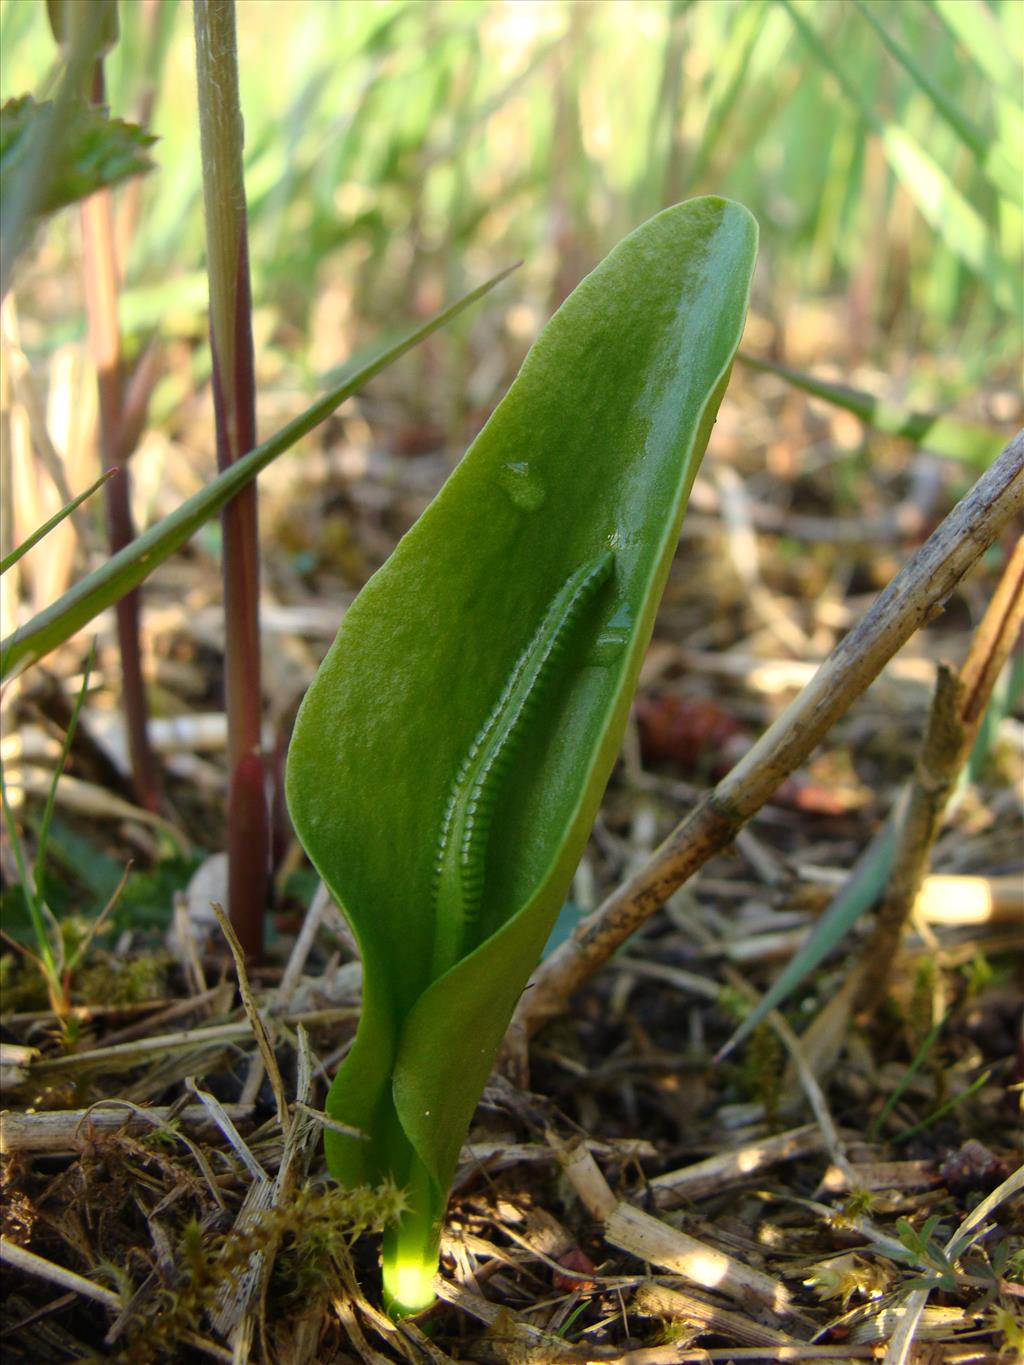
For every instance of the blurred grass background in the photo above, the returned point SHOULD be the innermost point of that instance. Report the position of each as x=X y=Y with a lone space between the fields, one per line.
x=398 y=152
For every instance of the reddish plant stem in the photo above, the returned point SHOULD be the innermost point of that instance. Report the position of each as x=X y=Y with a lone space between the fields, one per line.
x=101 y=286
x=248 y=831
x=234 y=393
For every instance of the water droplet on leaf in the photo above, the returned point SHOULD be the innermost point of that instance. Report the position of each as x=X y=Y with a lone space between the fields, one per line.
x=523 y=486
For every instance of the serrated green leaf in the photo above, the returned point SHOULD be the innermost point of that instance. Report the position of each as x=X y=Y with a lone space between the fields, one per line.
x=89 y=151
x=539 y=565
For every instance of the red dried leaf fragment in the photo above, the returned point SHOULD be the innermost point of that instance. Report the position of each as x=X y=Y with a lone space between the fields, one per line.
x=689 y=731
x=579 y=1262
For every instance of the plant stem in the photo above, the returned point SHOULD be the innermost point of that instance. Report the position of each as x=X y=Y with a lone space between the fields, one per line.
x=234 y=394
x=412 y=1244
x=958 y=707
x=101 y=284
x=913 y=597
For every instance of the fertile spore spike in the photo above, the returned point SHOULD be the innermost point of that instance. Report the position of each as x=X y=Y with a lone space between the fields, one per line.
x=459 y=866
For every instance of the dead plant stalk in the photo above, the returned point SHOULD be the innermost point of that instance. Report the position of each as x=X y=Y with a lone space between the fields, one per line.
x=914 y=596
x=956 y=714
x=100 y=273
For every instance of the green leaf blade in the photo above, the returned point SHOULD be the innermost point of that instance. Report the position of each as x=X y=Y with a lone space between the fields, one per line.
x=19 y=551
x=590 y=455
x=933 y=432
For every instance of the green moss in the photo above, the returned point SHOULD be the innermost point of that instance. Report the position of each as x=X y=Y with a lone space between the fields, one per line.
x=129 y=981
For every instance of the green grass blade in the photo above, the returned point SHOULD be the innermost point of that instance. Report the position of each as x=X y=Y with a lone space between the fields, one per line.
x=940 y=435
x=10 y=560
x=858 y=895
x=46 y=957
x=1006 y=696
x=949 y=213
x=731 y=67
x=51 y=798
x=993 y=162
x=944 y=1108
x=32 y=888
x=941 y=204
x=974 y=25
x=869 y=876
x=136 y=561
x=878 y=1123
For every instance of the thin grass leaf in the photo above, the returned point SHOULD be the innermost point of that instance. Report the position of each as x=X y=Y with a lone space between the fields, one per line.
x=943 y=1109
x=97 y=924
x=100 y=589
x=976 y=27
x=991 y=158
x=951 y=216
x=32 y=887
x=932 y=432
x=730 y=75
x=870 y=875
x=944 y=208
x=1006 y=696
x=970 y=1229
x=10 y=560
x=878 y=1123
x=860 y=892
x=46 y=958
x=51 y=799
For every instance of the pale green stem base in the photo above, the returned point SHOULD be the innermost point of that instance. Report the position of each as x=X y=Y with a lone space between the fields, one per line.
x=412 y=1246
